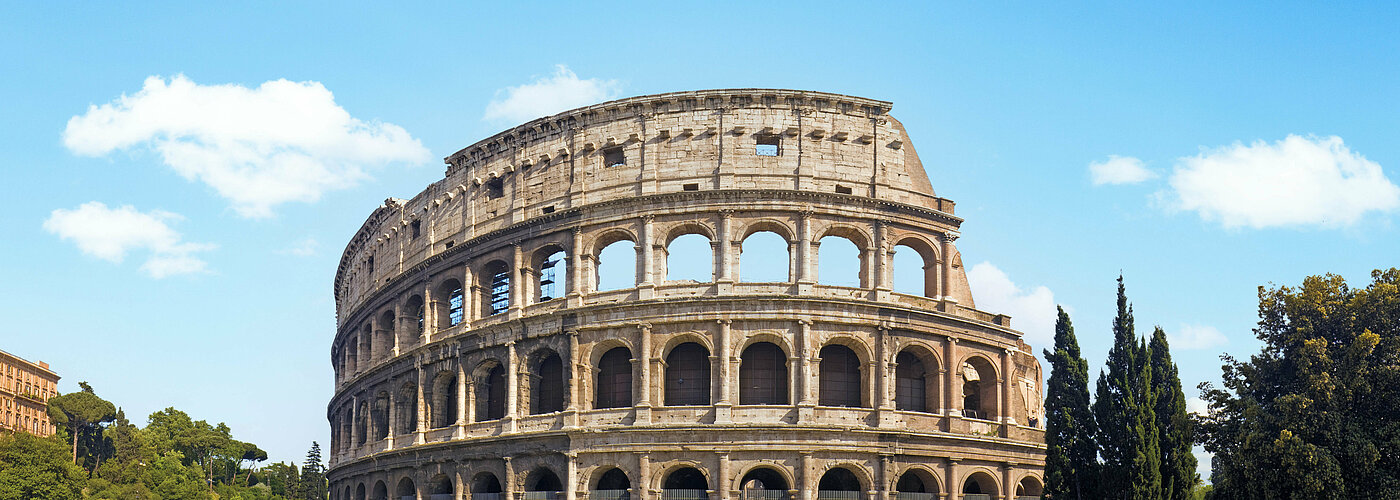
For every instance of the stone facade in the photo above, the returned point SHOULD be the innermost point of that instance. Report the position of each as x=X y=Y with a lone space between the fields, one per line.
x=476 y=356
x=25 y=389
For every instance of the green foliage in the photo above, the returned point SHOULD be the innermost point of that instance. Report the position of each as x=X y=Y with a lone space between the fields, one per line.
x=1174 y=428
x=1071 y=462
x=1316 y=413
x=1125 y=414
x=81 y=413
x=313 y=475
x=37 y=468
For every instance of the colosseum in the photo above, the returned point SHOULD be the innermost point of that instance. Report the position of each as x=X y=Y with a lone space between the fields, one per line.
x=629 y=301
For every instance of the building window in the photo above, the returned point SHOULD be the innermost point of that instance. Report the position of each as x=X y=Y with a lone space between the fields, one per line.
x=454 y=307
x=763 y=375
x=496 y=188
x=417 y=228
x=614 y=385
x=493 y=395
x=551 y=277
x=499 y=288
x=768 y=145
x=548 y=393
x=840 y=377
x=614 y=157
x=688 y=375
x=911 y=384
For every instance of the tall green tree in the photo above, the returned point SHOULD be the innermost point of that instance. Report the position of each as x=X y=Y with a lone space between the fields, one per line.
x=1316 y=413
x=33 y=467
x=1174 y=427
x=313 y=475
x=1071 y=460
x=1125 y=414
x=79 y=413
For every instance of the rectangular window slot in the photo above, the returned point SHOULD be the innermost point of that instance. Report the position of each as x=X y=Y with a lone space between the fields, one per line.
x=496 y=188
x=447 y=245
x=548 y=209
x=691 y=187
x=613 y=157
x=417 y=229
x=843 y=189
x=768 y=145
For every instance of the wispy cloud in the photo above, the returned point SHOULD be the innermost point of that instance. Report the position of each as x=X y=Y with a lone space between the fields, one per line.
x=1197 y=406
x=110 y=233
x=1032 y=311
x=257 y=147
x=1119 y=170
x=304 y=247
x=548 y=95
x=1191 y=337
x=1298 y=181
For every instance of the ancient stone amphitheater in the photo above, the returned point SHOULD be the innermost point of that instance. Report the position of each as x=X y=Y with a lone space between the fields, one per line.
x=530 y=327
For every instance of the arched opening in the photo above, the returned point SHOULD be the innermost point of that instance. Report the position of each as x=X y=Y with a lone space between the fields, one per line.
x=688 y=375
x=979 y=486
x=614 y=383
x=685 y=483
x=346 y=495
x=763 y=483
x=406 y=490
x=367 y=342
x=1029 y=489
x=840 y=377
x=914 y=268
x=381 y=416
x=839 y=483
x=542 y=484
x=763 y=258
x=838 y=262
x=550 y=263
x=360 y=492
x=763 y=375
x=414 y=311
x=352 y=356
x=690 y=257
x=617 y=266
x=450 y=309
x=915 y=382
x=916 y=484
x=611 y=485
x=547 y=385
x=444 y=401
x=485 y=483
x=496 y=283
x=491 y=395
x=407 y=408
x=441 y=488
x=979 y=389
x=346 y=423
x=361 y=424
x=386 y=334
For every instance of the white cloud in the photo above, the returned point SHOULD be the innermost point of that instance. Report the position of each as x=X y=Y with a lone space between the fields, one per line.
x=1298 y=181
x=1119 y=170
x=1032 y=312
x=1189 y=337
x=549 y=95
x=305 y=247
x=1197 y=406
x=257 y=147
x=109 y=234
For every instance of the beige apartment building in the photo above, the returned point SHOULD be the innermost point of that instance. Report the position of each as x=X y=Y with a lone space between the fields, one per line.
x=25 y=389
x=481 y=354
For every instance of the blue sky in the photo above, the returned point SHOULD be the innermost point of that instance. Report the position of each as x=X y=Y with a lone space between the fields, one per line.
x=1232 y=146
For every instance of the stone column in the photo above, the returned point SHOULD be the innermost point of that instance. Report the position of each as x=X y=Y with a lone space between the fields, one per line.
x=950 y=375
x=724 y=252
x=722 y=376
x=1005 y=385
x=419 y=437
x=806 y=274
x=459 y=491
x=641 y=363
x=575 y=268
x=879 y=368
x=517 y=275
x=396 y=328
x=806 y=402
x=578 y=370
x=721 y=486
x=509 y=479
x=1008 y=490
x=882 y=490
x=354 y=422
x=806 y=482
x=391 y=420
x=954 y=489
x=461 y=410
x=883 y=258
x=641 y=488
x=512 y=385
x=946 y=288
x=429 y=314
x=571 y=477
x=646 y=255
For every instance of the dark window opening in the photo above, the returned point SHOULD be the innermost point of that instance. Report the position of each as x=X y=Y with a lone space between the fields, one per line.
x=500 y=289
x=370 y=263
x=417 y=229
x=691 y=187
x=910 y=483
x=548 y=393
x=486 y=483
x=763 y=375
x=763 y=479
x=839 y=480
x=686 y=478
x=494 y=392
x=447 y=245
x=496 y=188
x=911 y=386
x=548 y=209
x=614 y=385
x=550 y=281
x=543 y=480
x=768 y=145
x=613 y=157
x=613 y=480
x=688 y=375
x=455 y=301
x=843 y=189
x=840 y=377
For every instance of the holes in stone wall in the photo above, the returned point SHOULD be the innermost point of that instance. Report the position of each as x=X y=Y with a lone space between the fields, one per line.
x=768 y=145
x=614 y=157
x=764 y=258
x=843 y=189
x=690 y=257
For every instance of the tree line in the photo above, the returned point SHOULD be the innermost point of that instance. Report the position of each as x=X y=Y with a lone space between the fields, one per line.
x=98 y=453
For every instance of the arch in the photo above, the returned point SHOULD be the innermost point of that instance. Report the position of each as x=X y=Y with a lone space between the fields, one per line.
x=451 y=311
x=690 y=257
x=543 y=479
x=386 y=334
x=687 y=375
x=918 y=480
x=352 y=355
x=380 y=415
x=765 y=478
x=551 y=270
x=443 y=404
x=367 y=342
x=840 y=262
x=406 y=488
x=495 y=286
x=486 y=482
x=613 y=388
x=611 y=480
x=980 y=390
x=441 y=484
x=491 y=391
x=765 y=256
x=840 y=478
x=685 y=479
x=780 y=228
x=763 y=375
x=360 y=492
x=346 y=423
x=413 y=313
x=916 y=379
x=617 y=266
x=346 y=495
x=915 y=270
x=407 y=405
x=1030 y=486
x=979 y=482
x=362 y=424
x=546 y=382
x=841 y=373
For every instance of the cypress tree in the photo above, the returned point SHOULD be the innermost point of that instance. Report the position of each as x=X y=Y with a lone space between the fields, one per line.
x=1071 y=459
x=1173 y=425
x=1125 y=414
